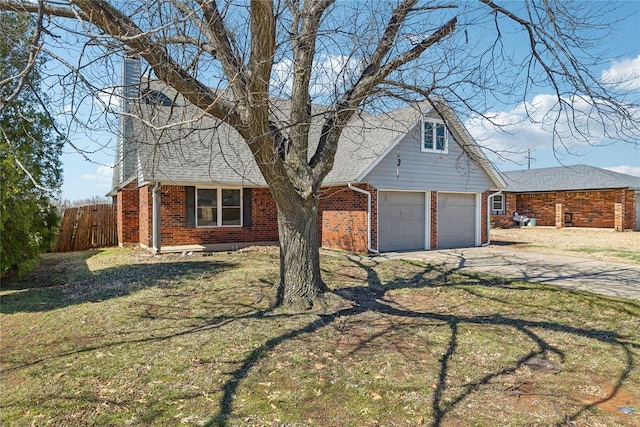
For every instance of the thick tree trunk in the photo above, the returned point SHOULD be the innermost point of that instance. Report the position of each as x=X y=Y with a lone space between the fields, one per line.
x=301 y=285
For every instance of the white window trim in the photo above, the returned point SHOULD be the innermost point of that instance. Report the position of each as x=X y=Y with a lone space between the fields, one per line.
x=446 y=136
x=500 y=211
x=219 y=208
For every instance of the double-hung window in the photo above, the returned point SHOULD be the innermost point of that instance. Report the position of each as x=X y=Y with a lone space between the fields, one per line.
x=434 y=136
x=497 y=204
x=218 y=207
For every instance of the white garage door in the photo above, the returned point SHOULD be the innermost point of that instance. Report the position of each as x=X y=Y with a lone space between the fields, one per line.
x=456 y=220
x=401 y=220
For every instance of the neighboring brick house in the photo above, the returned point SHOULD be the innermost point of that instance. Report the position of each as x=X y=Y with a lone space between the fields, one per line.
x=570 y=196
x=406 y=179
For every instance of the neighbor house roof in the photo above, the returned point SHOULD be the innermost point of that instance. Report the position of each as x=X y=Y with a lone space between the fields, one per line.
x=176 y=143
x=567 y=178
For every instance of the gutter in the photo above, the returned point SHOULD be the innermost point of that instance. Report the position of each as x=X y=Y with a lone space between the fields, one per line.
x=497 y=193
x=360 y=190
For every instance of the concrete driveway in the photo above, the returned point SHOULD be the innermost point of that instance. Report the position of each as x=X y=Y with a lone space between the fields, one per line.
x=607 y=278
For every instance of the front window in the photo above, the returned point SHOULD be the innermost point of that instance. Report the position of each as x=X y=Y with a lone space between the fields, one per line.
x=207 y=207
x=497 y=204
x=434 y=136
x=231 y=207
x=219 y=207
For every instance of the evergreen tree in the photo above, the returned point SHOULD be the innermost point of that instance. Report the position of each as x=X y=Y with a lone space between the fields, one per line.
x=29 y=152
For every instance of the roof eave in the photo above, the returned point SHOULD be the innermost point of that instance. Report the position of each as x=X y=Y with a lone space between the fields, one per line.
x=573 y=189
x=114 y=190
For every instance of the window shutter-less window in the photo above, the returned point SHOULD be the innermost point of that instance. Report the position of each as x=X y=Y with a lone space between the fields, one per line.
x=246 y=207
x=190 y=196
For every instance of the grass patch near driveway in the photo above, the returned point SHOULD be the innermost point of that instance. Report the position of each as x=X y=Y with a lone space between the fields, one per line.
x=611 y=253
x=120 y=337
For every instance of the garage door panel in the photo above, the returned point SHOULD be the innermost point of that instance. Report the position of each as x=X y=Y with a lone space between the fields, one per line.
x=456 y=220
x=401 y=220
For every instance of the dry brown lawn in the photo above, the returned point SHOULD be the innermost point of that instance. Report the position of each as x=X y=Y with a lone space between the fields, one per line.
x=121 y=337
x=605 y=244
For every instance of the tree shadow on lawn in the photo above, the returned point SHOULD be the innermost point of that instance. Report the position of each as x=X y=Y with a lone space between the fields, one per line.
x=71 y=282
x=373 y=299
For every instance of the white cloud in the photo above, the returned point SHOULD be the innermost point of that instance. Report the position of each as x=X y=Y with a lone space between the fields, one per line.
x=509 y=134
x=624 y=74
x=629 y=170
x=537 y=124
x=108 y=99
x=329 y=72
x=282 y=75
x=101 y=177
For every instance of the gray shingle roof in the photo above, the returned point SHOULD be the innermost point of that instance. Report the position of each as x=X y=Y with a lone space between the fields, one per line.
x=174 y=147
x=578 y=177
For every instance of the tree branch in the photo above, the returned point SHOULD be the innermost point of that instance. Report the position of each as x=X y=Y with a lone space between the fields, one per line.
x=391 y=32
x=120 y=26
x=219 y=36
x=304 y=49
x=28 y=7
x=369 y=79
x=206 y=47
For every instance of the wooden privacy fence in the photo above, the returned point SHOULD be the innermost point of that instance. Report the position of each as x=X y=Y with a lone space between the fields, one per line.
x=87 y=227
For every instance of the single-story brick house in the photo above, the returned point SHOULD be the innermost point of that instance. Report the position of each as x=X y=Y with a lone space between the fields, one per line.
x=403 y=180
x=579 y=196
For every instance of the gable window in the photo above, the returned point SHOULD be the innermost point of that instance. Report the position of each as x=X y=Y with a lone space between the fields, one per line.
x=434 y=136
x=218 y=207
x=497 y=204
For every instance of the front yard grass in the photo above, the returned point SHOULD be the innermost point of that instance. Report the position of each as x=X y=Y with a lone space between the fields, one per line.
x=631 y=255
x=120 y=337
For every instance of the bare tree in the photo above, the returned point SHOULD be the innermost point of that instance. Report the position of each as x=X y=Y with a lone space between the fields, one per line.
x=383 y=52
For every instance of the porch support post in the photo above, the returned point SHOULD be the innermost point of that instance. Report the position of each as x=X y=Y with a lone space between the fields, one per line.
x=156 y=217
x=559 y=215
x=618 y=216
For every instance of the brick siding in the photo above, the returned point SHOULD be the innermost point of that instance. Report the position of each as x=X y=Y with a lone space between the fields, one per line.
x=127 y=214
x=345 y=230
x=593 y=209
x=174 y=231
x=342 y=218
x=433 y=238
x=484 y=229
x=506 y=220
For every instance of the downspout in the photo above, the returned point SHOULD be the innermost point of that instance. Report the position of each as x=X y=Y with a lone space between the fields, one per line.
x=497 y=193
x=155 y=214
x=360 y=190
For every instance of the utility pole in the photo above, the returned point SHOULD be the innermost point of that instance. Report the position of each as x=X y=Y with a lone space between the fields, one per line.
x=529 y=158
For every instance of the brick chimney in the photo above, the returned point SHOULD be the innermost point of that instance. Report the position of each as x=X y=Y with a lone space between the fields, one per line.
x=126 y=149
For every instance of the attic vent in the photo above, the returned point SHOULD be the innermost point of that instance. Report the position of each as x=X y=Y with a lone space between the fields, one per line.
x=156 y=98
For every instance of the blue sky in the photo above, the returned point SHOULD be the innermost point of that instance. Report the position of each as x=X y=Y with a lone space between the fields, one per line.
x=89 y=175
x=623 y=44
